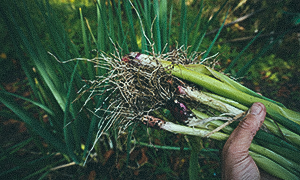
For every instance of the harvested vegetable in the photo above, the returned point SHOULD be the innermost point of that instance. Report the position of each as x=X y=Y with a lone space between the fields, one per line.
x=202 y=101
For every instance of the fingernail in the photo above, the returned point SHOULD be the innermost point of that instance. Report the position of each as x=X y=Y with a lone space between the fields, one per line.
x=255 y=109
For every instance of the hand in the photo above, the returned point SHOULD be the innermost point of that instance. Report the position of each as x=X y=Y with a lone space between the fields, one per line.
x=237 y=163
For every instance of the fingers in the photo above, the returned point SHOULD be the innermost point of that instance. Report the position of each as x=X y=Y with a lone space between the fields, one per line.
x=237 y=164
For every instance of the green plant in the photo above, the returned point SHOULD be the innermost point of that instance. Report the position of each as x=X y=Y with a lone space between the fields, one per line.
x=53 y=85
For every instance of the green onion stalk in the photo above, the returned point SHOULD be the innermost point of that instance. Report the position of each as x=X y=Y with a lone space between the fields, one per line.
x=275 y=149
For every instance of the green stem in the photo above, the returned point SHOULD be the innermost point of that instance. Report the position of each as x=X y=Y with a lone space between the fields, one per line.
x=272 y=167
x=290 y=119
x=175 y=128
x=282 y=131
x=223 y=107
x=211 y=102
x=227 y=101
x=284 y=162
x=194 y=168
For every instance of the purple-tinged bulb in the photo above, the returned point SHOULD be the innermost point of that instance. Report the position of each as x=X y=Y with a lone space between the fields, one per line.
x=137 y=58
x=181 y=90
x=131 y=57
x=179 y=111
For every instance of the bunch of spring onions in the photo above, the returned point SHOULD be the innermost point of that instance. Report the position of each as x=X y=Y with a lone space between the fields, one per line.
x=275 y=149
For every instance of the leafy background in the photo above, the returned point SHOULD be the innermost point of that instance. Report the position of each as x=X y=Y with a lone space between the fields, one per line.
x=33 y=139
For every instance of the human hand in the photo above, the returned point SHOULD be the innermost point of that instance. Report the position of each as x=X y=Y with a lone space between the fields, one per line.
x=237 y=163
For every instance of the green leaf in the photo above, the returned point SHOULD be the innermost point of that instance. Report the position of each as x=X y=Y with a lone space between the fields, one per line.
x=247 y=66
x=216 y=37
x=164 y=23
x=49 y=111
x=170 y=25
x=134 y=46
x=182 y=28
x=194 y=167
x=199 y=38
x=157 y=33
x=90 y=68
x=72 y=138
x=197 y=22
x=48 y=136
x=231 y=65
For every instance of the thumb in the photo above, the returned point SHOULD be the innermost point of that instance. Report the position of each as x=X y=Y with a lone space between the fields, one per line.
x=237 y=163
